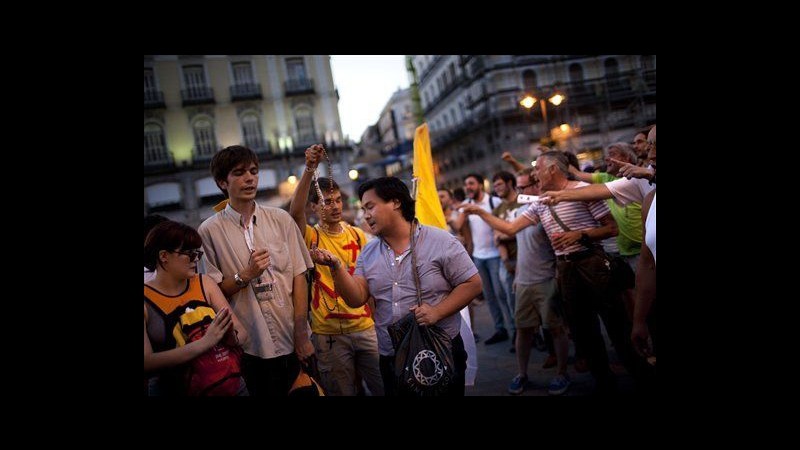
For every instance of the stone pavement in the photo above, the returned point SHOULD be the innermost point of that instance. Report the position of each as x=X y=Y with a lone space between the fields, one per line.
x=497 y=366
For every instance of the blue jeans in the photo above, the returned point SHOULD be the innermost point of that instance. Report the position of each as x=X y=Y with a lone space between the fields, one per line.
x=507 y=283
x=493 y=292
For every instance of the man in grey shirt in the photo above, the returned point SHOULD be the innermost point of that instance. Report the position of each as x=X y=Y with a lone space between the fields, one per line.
x=448 y=278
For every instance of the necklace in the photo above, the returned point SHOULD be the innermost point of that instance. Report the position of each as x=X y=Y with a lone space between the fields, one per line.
x=315 y=179
x=328 y=231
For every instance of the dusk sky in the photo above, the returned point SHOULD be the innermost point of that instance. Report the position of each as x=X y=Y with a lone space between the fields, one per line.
x=366 y=83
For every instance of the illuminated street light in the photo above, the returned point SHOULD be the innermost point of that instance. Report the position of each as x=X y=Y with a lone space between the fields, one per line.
x=292 y=179
x=529 y=100
x=353 y=174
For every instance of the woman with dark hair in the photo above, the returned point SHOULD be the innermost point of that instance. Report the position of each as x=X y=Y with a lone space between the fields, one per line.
x=174 y=295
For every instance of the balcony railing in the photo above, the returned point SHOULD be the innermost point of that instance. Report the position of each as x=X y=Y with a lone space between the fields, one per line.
x=156 y=162
x=454 y=84
x=246 y=91
x=299 y=86
x=153 y=98
x=197 y=95
x=203 y=154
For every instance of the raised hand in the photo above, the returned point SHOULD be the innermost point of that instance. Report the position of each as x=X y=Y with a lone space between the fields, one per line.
x=259 y=261
x=313 y=156
x=324 y=257
x=629 y=170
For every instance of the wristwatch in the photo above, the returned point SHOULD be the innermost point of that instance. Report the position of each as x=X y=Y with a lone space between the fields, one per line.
x=239 y=281
x=584 y=240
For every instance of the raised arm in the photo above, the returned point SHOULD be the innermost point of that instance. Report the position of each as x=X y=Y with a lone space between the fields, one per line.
x=353 y=289
x=629 y=171
x=509 y=158
x=509 y=228
x=580 y=175
x=585 y=193
x=297 y=208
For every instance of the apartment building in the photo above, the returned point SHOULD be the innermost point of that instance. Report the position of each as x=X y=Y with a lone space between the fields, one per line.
x=195 y=105
x=472 y=106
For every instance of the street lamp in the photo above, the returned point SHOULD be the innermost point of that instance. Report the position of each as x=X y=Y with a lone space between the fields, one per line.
x=529 y=100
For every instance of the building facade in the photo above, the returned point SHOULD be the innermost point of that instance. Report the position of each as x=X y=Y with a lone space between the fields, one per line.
x=472 y=106
x=195 y=105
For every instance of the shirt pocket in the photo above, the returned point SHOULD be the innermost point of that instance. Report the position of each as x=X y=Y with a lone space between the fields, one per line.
x=279 y=256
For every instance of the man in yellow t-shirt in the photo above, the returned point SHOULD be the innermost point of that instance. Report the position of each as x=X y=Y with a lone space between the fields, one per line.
x=344 y=338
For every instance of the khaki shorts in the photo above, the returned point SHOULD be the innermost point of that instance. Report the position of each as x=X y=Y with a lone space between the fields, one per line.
x=537 y=305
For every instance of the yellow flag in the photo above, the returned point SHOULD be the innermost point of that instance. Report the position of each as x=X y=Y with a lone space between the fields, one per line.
x=429 y=210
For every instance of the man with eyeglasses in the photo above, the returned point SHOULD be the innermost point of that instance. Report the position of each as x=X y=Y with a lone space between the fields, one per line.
x=537 y=300
x=259 y=258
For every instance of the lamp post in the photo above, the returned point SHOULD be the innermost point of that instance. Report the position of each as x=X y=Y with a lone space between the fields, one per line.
x=529 y=100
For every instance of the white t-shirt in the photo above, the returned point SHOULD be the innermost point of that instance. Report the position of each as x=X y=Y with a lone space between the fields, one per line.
x=482 y=234
x=626 y=191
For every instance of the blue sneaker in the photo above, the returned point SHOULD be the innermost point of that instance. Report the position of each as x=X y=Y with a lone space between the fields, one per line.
x=558 y=385
x=518 y=384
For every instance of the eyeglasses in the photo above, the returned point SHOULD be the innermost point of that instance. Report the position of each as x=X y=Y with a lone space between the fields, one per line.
x=192 y=254
x=522 y=188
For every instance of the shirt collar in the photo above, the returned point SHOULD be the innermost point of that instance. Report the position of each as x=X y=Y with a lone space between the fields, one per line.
x=234 y=215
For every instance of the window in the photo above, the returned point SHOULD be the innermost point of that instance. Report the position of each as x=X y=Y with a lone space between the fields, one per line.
x=205 y=141
x=242 y=73
x=529 y=80
x=648 y=62
x=149 y=82
x=155 y=147
x=295 y=68
x=576 y=74
x=305 y=126
x=195 y=80
x=612 y=71
x=251 y=131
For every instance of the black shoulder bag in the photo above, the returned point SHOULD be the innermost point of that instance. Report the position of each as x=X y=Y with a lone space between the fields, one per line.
x=424 y=364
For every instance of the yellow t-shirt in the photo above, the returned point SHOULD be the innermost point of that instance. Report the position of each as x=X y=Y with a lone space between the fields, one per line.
x=329 y=313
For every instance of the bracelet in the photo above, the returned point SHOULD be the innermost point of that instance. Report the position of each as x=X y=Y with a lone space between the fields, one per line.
x=309 y=169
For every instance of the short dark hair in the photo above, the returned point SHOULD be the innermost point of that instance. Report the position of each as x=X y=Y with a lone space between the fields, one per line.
x=169 y=235
x=506 y=176
x=388 y=189
x=324 y=186
x=227 y=159
x=477 y=176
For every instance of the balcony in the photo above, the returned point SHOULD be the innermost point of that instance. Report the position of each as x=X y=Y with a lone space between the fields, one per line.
x=153 y=98
x=198 y=95
x=299 y=86
x=246 y=91
x=158 y=162
x=452 y=86
x=203 y=154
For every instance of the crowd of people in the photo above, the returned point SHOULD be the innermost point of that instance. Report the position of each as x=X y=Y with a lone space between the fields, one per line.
x=306 y=310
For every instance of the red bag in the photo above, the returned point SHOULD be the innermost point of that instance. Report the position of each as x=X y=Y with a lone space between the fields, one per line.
x=217 y=372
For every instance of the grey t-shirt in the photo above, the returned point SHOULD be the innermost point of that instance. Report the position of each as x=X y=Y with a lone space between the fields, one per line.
x=536 y=261
x=443 y=264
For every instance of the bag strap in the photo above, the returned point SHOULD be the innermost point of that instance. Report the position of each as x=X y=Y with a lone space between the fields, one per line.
x=558 y=219
x=355 y=235
x=414 y=263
